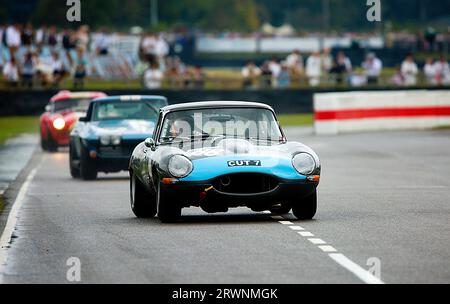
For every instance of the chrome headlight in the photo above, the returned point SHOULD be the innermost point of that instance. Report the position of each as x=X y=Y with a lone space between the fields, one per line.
x=304 y=163
x=105 y=140
x=180 y=166
x=116 y=140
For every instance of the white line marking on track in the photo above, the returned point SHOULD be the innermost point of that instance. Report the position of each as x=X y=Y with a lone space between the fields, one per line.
x=297 y=228
x=306 y=234
x=333 y=253
x=286 y=223
x=327 y=248
x=354 y=268
x=317 y=241
x=6 y=237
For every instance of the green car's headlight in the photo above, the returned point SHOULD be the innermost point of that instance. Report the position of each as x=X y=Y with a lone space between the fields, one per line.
x=180 y=166
x=304 y=163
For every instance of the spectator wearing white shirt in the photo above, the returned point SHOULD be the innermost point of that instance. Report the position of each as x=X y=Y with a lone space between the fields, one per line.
x=373 y=68
x=57 y=66
x=442 y=71
x=314 y=69
x=101 y=42
x=153 y=77
x=11 y=72
x=409 y=71
x=295 y=63
x=251 y=73
x=41 y=37
x=275 y=69
x=430 y=71
x=327 y=60
x=148 y=48
x=13 y=39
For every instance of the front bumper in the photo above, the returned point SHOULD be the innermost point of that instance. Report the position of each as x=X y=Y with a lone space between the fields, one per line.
x=205 y=194
x=112 y=164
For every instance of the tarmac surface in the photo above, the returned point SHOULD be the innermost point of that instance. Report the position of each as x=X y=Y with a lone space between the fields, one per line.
x=384 y=209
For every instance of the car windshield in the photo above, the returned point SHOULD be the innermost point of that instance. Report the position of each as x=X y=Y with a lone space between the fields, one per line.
x=124 y=111
x=76 y=105
x=202 y=124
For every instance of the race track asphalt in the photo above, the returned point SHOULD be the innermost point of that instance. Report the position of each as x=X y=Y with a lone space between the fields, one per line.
x=384 y=197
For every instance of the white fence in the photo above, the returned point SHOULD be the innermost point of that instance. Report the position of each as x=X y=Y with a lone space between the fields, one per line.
x=279 y=44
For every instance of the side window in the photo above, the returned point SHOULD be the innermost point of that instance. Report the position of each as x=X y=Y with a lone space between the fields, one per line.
x=158 y=127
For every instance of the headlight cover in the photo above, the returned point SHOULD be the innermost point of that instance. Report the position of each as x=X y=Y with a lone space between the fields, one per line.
x=180 y=166
x=116 y=140
x=59 y=123
x=304 y=163
x=105 y=140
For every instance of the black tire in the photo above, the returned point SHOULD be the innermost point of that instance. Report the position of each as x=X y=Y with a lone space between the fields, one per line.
x=88 y=168
x=307 y=208
x=143 y=203
x=74 y=171
x=169 y=211
x=51 y=144
x=44 y=143
x=282 y=209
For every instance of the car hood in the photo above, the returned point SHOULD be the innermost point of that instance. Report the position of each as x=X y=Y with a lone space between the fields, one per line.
x=124 y=128
x=244 y=148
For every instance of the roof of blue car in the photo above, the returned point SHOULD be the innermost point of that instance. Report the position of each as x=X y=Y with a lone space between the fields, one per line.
x=131 y=98
x=215 y=104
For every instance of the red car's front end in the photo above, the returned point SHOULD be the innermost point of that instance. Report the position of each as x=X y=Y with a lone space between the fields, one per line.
x=61 y=115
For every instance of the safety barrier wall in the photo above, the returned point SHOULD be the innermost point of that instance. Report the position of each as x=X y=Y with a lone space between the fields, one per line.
x=348 y=112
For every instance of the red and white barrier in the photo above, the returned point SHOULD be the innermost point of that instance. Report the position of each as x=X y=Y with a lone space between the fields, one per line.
x=377 y=111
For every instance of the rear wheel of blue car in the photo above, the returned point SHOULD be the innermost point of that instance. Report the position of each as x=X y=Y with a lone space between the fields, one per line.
x=88 y=169
x=306 y=209
x=169 y=210
x=143 y=203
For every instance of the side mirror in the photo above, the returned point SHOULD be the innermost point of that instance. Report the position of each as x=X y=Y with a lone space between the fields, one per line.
x=48 y=108
x=83 y=119
x=150 y=143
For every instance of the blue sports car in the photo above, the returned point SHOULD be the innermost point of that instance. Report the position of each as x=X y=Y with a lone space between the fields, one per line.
x=220 y=155
x=104 y=140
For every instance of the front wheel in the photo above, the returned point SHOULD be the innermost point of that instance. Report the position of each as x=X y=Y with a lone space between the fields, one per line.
x=88 y=168
x=50 y=144
x=74 y=171
x=169 y=210
x=306 y=209
x=143 y=204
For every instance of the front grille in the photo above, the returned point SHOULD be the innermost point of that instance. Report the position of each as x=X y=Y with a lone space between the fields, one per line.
x=124 y=150
x=245 y=183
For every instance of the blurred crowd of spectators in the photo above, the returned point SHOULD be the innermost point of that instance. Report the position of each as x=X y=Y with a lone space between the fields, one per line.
x=322 y=68
x=45 y=56
x=159 y=66
x=48 y=57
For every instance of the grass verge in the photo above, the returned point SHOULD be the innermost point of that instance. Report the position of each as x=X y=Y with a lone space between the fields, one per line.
x=294 y=120
x=13 y=126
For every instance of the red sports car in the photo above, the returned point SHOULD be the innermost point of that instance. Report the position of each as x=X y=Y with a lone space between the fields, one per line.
x=61 y=115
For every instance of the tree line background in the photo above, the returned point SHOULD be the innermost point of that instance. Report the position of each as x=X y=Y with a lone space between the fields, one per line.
x=235 y=15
